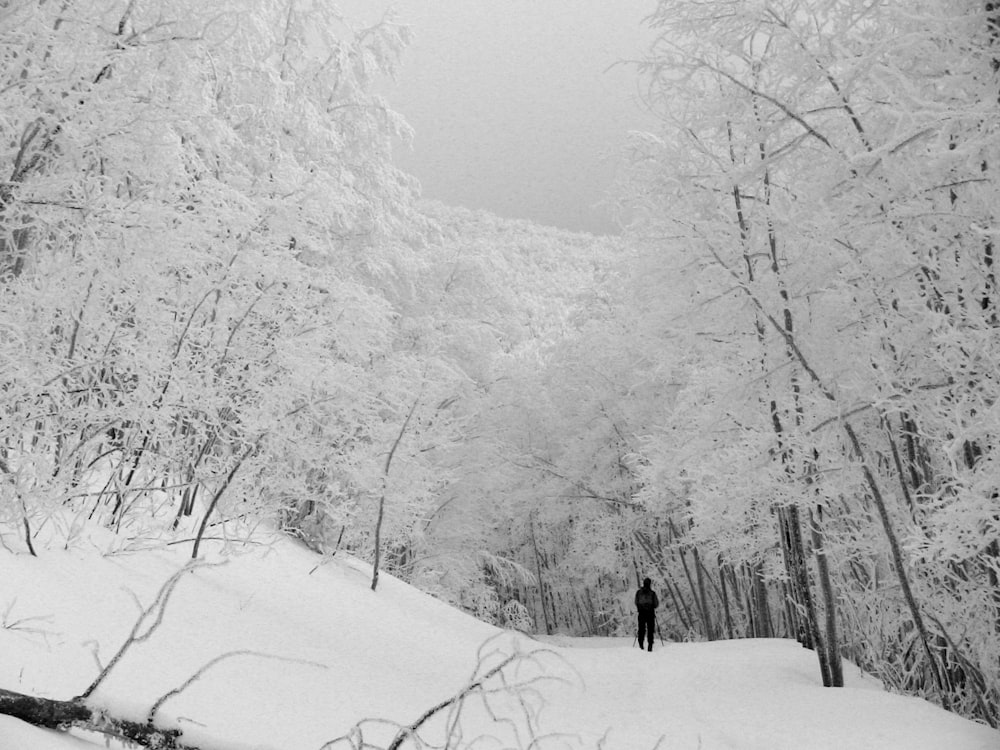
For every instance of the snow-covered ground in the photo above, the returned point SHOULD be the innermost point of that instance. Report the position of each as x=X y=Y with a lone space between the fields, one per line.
x=314 y=653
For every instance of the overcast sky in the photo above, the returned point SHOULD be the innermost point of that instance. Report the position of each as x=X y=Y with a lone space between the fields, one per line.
x=513 y=108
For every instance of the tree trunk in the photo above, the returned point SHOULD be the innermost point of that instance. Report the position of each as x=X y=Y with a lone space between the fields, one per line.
x=538 y=572
x=725 y=599
x=56 y=714
x=794 y=607
x=706 y=612
x=385 y=490
x=764 y=627
x=793 y=627
x=830 y=640
x=899 y=565
x=812 y=621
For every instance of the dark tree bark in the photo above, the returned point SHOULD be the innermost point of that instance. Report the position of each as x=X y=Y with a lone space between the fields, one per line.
x=538 y=572
x=385 y=484
x=49 y=713
x=812 y=620
x=899 y=565
x=725 y=599
x=830 y=640
x=764 y=626
x=702 y=597
x=794 y=606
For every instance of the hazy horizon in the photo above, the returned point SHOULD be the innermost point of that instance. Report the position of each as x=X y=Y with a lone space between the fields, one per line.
x=513 y=104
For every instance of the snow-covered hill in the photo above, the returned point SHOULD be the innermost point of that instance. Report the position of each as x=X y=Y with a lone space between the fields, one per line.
x=316 y=655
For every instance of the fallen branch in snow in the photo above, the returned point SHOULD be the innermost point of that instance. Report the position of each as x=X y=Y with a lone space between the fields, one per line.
x=514 y=678
x=42 y=712
x=20 y=623
x=406 y=732
x=59 y=714
x=62 y=715
x=201 y=672
x=76 y=713
x=156 y=610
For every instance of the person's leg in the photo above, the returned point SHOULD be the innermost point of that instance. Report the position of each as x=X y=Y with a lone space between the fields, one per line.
x=642 y=629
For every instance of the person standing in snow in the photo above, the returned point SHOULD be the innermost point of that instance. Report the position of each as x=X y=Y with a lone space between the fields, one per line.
x=646 y=604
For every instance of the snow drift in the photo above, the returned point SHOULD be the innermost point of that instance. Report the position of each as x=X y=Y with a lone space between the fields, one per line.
x=310 y=654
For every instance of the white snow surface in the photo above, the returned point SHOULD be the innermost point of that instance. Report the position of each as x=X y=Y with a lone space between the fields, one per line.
x=317 y=652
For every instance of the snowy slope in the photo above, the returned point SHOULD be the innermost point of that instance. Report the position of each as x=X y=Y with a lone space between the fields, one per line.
x=327 y=653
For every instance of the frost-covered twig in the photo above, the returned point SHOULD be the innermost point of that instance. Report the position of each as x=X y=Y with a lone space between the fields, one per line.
x=19 y=624
x=156 y=610
x=218 y=494
x=211 y=663
x=356 y=736
x=455 y=700
x=974 y=677
x=385 y=486
x=514 y=675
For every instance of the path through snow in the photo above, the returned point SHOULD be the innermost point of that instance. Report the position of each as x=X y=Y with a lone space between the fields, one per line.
x=330 y=652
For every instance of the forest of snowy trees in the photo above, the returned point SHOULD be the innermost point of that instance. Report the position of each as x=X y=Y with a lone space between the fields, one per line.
x=223 y=308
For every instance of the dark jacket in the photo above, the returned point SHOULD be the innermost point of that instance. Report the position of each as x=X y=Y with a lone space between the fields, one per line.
x=646 y=600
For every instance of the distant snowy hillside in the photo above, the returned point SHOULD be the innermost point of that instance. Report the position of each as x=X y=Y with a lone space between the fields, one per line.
x=314 y=652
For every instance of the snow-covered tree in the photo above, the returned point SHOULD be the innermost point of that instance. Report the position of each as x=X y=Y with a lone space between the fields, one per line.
x=201 y=223
x=823 y=184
